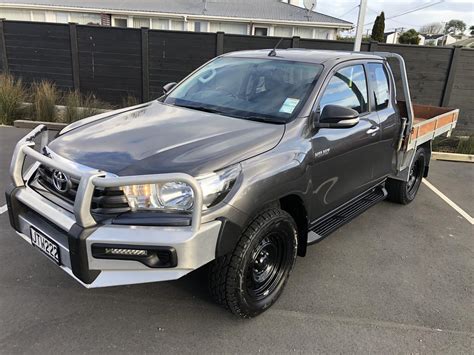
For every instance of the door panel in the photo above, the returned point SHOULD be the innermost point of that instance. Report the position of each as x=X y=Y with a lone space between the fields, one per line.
x=343 y=157
x=343 y=164
x=389 y=118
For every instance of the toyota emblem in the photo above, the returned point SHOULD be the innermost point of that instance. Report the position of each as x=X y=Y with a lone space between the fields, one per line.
x=61 y=181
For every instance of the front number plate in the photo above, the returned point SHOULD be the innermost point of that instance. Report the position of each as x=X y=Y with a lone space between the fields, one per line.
x=46 y=245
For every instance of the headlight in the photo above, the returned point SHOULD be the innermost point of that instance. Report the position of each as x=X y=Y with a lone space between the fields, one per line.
x=179 y=196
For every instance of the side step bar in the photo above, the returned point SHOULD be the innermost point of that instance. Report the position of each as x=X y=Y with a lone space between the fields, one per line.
x=329 y=224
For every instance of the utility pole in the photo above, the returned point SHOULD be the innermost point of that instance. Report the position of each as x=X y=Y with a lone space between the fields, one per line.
x=360 y=25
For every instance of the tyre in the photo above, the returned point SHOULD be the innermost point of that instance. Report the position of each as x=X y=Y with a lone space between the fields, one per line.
x=404 y=192
x=251 y=278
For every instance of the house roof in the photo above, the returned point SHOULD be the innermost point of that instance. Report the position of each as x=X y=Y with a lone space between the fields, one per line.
x=468 y=43
x=252 y=9
x=433 y=36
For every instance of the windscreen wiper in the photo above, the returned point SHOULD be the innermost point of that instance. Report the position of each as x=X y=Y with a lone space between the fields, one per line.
x=201 y=108
x=262 y=119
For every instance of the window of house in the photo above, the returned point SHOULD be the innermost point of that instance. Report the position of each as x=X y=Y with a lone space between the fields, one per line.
x=139 y=22
x=229 y=27
x=379 y=77
x=348 y=88
x=304 y=32
x=38 y=16
x=85 y=18
x=14 y=14
x=160 y=24
x=62 y=17
x=120 y=22
x=321 y=33
x=283 y=31
x=261 y=31
x=177 y=25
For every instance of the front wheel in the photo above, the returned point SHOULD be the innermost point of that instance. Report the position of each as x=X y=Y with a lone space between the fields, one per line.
x=404 y=192
x=249 y=280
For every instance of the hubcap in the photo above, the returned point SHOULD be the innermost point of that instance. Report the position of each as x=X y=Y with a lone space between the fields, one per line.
x=267 y=266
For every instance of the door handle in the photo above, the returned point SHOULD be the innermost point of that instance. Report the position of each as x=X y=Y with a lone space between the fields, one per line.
x=372 y=130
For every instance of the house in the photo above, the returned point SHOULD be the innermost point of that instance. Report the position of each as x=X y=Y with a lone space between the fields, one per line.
x=393 y=37
x=466 y=43
x=439 y=39
x=248 y=17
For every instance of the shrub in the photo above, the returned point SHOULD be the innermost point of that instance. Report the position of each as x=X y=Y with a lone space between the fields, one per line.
x=12 y=97
x=466 y=146
x=130 y=100
x=409 y=37
x=78 y=106
x=45 y=95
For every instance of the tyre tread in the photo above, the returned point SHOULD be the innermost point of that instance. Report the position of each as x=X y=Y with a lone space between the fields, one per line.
x=224 y=271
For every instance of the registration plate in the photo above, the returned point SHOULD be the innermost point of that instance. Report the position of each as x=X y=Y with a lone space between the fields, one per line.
x=46 y=245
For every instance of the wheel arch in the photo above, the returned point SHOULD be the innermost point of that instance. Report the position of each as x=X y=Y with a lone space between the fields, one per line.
x=427 y=147
x=295 y=206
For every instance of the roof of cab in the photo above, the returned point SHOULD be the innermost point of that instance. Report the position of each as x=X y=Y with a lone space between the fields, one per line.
x=304 y=55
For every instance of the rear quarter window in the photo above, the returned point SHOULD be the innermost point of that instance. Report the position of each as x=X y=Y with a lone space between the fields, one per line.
x=380 y=84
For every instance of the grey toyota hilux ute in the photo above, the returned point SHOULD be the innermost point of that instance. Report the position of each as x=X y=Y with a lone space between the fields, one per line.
x=239 y=167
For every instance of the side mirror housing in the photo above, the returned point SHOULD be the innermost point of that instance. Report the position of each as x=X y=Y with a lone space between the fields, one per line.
x=168 y=87
x=335 y=116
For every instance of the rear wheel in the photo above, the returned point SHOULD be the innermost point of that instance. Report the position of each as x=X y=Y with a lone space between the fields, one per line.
x=251 y=279
x=404 y=192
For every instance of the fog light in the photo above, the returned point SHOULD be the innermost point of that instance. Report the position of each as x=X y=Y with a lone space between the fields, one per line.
x=131 y=252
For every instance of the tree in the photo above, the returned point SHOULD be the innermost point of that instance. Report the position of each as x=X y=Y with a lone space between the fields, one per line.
x=433 y=28
x=409 y=37
x=378 y=28
x=454 y=27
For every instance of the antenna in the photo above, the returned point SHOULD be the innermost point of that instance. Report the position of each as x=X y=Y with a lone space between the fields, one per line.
x=309 y=4
x=273 y=51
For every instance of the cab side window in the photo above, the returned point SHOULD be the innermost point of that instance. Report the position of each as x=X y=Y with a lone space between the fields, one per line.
x=379 y=78
x=348 y=87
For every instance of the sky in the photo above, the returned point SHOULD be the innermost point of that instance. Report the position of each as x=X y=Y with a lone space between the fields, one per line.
x=443 y=12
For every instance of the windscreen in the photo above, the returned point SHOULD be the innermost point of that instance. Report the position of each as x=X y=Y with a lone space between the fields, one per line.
x=257 y=89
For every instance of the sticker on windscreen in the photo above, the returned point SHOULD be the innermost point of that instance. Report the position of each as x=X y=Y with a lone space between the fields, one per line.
x=289 y=105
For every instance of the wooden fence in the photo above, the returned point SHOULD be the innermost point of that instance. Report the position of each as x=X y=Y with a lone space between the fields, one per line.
x=113 y=63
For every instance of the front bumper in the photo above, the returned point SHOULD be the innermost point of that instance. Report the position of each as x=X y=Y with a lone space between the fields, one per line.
x=77 y=233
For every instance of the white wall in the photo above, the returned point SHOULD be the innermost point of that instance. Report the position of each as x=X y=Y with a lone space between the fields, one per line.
x=175 y=23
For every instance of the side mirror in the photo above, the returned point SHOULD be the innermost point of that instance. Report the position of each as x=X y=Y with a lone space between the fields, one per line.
x=168 y=87
x=335 y=116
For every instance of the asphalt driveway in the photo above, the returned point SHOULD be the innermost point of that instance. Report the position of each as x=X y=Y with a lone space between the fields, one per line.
x=397 y=279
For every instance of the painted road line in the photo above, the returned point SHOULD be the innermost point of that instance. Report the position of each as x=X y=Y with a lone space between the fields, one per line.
x=449 y=202
x=3 y=209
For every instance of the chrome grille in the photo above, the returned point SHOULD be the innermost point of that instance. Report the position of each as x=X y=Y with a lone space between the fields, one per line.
x=105 y=200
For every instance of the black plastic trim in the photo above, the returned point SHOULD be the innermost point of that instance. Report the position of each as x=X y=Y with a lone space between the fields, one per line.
x=229 y=236
x=78 y=253
x=149 y=218
x=159 y=256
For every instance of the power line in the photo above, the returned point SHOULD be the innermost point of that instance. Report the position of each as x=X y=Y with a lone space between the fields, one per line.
x=374 y=11
x=409 y=11
x=355 y=7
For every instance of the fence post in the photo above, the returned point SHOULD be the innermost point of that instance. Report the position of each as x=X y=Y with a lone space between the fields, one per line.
x=145 y=66
x=219 y=43
x=295 y=42
x=74 y=56
x=3 y=47
x=373 y=46
x=448 y=88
